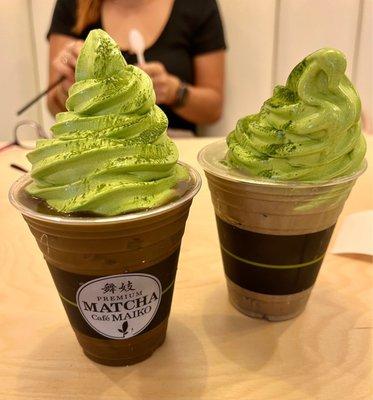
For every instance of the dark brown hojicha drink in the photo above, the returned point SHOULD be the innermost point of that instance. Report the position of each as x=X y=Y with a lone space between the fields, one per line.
x=107 y=202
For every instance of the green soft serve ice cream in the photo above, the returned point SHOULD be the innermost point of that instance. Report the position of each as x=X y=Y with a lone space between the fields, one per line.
x=309 y=130
x=110 y=153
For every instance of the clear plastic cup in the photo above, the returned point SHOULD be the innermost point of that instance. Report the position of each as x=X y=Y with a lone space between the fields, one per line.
x=273 y=235
x=115 y=275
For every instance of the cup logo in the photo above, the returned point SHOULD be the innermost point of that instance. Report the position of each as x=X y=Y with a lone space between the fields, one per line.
x=120 y=306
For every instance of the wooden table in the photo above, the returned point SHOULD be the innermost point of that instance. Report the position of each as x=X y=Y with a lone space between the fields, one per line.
x=212 y=352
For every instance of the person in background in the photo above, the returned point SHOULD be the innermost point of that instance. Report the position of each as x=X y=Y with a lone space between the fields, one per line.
x=184 y=56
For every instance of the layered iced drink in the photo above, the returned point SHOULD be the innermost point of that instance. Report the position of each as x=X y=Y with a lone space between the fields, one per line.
x=107 y=202
x=279 y=182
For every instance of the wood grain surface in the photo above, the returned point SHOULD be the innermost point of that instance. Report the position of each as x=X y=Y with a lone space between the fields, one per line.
x=212 y=352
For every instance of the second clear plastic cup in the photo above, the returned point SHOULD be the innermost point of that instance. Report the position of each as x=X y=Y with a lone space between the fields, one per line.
x=273 y=236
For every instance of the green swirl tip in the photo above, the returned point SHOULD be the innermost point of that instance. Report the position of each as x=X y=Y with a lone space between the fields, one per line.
x=110 y=153
x=99 y=58
x=309 y=130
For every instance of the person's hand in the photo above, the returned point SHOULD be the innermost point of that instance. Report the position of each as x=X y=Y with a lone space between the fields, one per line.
x=165 y=85
x=64 y=64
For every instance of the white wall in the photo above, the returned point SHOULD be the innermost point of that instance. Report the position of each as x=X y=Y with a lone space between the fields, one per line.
x=266 y=38
x=364 y=64
x=18 y=80
x=344 y=24
x=306 y=26
x=42 y=14
x=249 y=28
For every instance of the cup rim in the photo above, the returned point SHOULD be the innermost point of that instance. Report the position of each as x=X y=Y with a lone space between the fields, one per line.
x=134 y=216
x=237 y=177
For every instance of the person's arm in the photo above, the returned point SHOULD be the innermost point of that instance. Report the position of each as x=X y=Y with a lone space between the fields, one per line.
x=63 y=53
x=204 y=102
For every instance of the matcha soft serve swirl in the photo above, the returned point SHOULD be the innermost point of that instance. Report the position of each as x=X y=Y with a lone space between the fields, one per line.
x=308 y=130
x=110 y=153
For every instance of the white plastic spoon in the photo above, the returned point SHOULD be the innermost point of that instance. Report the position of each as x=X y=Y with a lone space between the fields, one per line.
x=137 y=45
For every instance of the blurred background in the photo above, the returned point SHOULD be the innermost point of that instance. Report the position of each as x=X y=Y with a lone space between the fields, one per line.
x=265 y=38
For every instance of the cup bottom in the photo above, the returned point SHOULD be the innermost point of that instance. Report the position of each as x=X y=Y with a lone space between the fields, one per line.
x=119 y=362
x=121 y=353
x=273 y=308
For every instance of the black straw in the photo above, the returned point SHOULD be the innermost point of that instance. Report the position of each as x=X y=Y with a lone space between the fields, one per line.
x=16 y=166
x=39 y=96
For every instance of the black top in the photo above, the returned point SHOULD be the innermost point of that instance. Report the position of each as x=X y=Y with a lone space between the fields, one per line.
x=194 y=27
